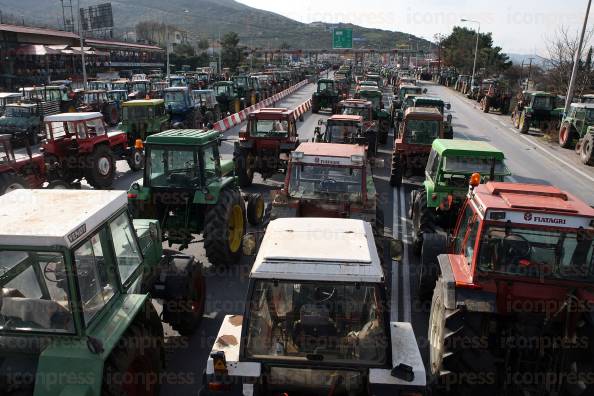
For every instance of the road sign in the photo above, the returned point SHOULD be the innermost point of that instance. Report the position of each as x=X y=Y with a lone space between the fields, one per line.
x=342 y=39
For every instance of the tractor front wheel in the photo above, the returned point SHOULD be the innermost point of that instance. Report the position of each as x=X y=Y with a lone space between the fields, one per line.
x=566 y=135
x=11 y=181
x=101 y=171
x=432 y=245
x=255 y=209
x=244 y=167
x=587 y=149
x=134 y=365
x=135 y=160
x=225 y=228
x=524 y=124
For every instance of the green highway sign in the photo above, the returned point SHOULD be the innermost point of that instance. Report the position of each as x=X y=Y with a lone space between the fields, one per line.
x=342 y=39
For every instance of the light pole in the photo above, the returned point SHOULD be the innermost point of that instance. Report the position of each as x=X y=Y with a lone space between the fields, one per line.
x=478 y=30
x=576 y=60
x=82 y=48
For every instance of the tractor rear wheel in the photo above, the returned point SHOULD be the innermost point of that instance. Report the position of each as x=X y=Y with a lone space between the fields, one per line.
x=396 y=175
x=134 y=365
x=58 y=185
x=587 y=149
x=12 y=181
x=136 y=160
x=255 y=209
x=244 y=167
x=225 y=228
x=459 y=357
x=101 y=171
x=189 y=291
x=566 y=135
x=423 y=219
x=433 y=245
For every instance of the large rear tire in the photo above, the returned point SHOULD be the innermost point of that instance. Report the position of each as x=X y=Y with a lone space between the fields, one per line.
x=12 y=181
x=255 y=209
x=134 y=365
x=244 y=167
x=433 y=245
x=101 y=171
x=587 y=149
x=225 y=228
x=566 y=136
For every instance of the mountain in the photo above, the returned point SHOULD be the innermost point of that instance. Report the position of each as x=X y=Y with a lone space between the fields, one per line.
x=206 y=18
x=537 y=60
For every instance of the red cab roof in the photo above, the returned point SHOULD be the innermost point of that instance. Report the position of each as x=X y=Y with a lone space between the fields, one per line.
x=330 y=149
x=346 y=117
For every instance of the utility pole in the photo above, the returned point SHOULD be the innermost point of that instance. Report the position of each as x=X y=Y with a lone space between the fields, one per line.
x=478 y=30
x=576 y=60
x=529 y=73
x=167 y=50
x=220 y=54
x=82 y=45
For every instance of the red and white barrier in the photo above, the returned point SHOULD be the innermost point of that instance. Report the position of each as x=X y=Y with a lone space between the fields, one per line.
x=303 y=108
x=237 y=118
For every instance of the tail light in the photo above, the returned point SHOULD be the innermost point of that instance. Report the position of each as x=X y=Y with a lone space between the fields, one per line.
x=138 y=144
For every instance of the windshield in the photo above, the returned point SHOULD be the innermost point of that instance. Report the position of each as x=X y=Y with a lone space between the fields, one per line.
x=543 y=103
x=317 y=181
x=421 y=131
x=174 y=97
x=361 y=111
x=34 y=292
x=537 y=253
x=263 y=128
x=133 y=113
x=221 y=89
x=317 y=320
x=341 y=133
x=139 y=87
x=325 y=86
x=470 y=165
x=18 y=112
x=173 y=167
x=406 y=91
x=177 y=82
x=241 y=82
x=590 y=115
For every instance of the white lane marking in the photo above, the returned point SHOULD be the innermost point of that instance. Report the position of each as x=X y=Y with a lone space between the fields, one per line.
x=553 y=155
x=395 y=265
x=406 y=303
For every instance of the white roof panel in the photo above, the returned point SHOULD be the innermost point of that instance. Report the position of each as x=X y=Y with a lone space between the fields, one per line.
x=65 y=117
x=55 y=217
x=318 y=249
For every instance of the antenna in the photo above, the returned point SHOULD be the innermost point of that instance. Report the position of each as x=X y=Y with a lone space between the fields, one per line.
x=67 y=15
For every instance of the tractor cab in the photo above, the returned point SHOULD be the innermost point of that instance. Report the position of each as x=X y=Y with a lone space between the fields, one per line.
x=141 y=118
x=182 y=109
x=21 y=121
x=441 y=106
x=118 y=95
x=120 y=85
x=316 y=318
x=139 y=89
x=8 y=98
x=228 y=97
x=178 y=81
x=327 y=180
x=99 y=85
x=375 y=96
x=326 y=95
x=342 y=129
x=158 y=89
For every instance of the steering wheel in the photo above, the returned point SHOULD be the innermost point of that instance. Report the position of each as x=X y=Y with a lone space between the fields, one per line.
x=47 y=270
x=516 y=247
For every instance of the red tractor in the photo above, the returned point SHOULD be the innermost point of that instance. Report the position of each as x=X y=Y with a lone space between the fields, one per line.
x=512 y=308
x=264 y=146
x=25 y=172
x=78 y=146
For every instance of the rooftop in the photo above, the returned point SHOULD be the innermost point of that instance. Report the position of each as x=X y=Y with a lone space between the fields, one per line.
x=346 y=117
x=561 y=208
x=330 y=149
x=426 y=111
x=142 y=102
x=340 y=250
x=472 y=147
x=190 y=137
x=55 y=217
x=65 y=117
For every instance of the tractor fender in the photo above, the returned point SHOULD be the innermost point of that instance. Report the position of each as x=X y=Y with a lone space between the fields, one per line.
x=173 y=276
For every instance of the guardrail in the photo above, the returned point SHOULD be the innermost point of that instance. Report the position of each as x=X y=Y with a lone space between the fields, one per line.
x=237 y=118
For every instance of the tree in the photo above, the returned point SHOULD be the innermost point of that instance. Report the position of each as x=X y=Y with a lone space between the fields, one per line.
x=231 y=54
x=459 y=47
x=203 y=45
x=184 y=49
x=154 y=31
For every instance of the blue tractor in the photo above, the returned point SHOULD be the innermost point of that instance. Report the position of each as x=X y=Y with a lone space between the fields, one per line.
x=184 y=112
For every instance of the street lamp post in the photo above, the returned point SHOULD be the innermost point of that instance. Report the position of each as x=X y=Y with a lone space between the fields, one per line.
x=478 y=30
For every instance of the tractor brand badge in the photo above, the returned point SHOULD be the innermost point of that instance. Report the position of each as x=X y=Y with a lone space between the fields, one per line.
x=80 y=231
x=317 y=160
x=528 y=216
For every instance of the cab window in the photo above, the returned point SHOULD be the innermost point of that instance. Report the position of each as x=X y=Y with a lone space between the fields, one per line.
x=459 y=241
x=125 y=246
x=211 y=165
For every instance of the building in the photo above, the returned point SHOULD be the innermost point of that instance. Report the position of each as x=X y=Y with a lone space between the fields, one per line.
x=34 y=56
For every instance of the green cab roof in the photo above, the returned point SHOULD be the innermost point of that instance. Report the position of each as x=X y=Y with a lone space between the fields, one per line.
x=470 y=148
x=143 y=102
x=185 y=137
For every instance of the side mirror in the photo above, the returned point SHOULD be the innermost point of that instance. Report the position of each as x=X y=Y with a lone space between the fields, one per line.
x=249 y=244
x=424 y=90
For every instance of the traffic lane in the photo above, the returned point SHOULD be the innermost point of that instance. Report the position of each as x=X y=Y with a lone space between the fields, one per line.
x=530 y=159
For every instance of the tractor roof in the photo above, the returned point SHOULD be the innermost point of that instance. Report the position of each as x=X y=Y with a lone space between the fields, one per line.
x=326 y=80
x=410 y=86
x=189 y=137
x=583 y=105
x=26 y=105
x=271 y=113
x=372 y=91
x=319 y=249
x=67 y=117
x=92 y=91
x=425 y=112
x=177 y=89
x=55 y=217
x=346 y=117
x=470 y=148
x=355 y=103
x=143 y=102
x=4 y=95
x=330 y=149
x=538 y=204
x=428 y=99
x=118 y=90
x=202 y=91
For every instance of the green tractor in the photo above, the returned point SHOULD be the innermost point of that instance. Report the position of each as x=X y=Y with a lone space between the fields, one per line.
x=536 y=109
x=228 y=97
x=191 y=190
x=375 y=96
x=326 y=96
x=434 y=208
x=575 y=123
x=141 y=118
x=246 y=89
x=75 y=313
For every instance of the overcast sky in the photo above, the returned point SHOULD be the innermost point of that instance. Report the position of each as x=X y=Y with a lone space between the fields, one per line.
x=520 y=26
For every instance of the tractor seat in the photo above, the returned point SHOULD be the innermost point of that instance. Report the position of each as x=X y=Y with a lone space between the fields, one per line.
x=46 y=314
x=315 y=328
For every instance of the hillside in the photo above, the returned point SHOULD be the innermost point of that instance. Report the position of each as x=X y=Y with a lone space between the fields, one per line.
x=205 y=18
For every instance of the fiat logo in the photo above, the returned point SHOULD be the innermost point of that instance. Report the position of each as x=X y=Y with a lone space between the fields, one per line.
x=527 y=216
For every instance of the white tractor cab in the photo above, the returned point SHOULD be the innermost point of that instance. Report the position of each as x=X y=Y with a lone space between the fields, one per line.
x=316 y=320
